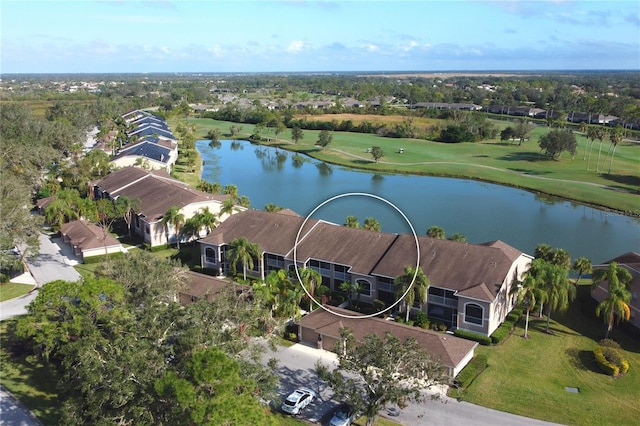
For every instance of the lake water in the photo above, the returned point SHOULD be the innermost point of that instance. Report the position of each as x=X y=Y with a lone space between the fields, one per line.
x=480 y=211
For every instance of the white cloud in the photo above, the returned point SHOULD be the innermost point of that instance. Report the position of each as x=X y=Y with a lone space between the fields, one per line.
x=297 y=46
x=216 y=51
x=371 y=47
x=409 y=45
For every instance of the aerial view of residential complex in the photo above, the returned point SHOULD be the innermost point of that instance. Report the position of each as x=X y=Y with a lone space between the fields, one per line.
x=333 y=213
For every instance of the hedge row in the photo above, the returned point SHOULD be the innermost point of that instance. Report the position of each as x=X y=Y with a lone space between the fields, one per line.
x=472 y=370
x=476 y=337
x=610 y=361
x=507 y=326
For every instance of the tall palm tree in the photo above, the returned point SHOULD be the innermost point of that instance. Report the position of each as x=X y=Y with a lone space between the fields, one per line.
x=244 y=252
x=311 y=279
x=582 y=266
x=228 y=207
x=175 y=218
x=128 y=206
x=207 y=219
x=529 y=291
x=417 y=293
x=613 y=274
x=558 y=292
x=592 y=135
x=280 y=295
x=601 y=134
x=615 y=305
x=615 y=135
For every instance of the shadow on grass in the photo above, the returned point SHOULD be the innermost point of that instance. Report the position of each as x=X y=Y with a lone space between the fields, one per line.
x=583 y=360
x=529 y=172
x=524 y=156
x=624 y=180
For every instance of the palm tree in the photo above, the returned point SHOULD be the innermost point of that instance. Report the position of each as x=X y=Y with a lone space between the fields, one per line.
x=616 y=136
x=351 y=287
x=174 y=217
x=281 y=296
x=592 y=135
x=228 y=207
x=616 y=304
x=311 y=279
x=242 y=251
x=558 y=292
x=231 y=190
x=436 y=232
x=207 y=219
x=351 y=222
x=371 y=224
x=614 y=274
x=529 y=292
x=417 y=293
x=601 y=134
x=128 y=206
x=582 y=266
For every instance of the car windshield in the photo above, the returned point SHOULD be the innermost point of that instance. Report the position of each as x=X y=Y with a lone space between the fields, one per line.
x=290 y=403
x=342 y=415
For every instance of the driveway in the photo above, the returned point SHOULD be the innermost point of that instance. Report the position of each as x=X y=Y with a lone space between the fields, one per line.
x=296 y=367
x=55 y=262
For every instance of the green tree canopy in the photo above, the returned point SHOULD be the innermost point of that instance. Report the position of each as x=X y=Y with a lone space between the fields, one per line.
x=380 y=371
x=557 y=141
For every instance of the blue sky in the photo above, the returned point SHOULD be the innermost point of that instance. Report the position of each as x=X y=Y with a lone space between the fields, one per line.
x=305 y=36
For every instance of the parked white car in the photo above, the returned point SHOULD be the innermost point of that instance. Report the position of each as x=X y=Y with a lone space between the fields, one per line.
x=298 y=400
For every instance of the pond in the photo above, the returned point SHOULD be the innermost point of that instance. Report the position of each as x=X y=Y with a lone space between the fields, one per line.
x=480 y=211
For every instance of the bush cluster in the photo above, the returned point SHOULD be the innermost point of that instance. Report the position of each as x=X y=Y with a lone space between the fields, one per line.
x=610 y=360
x=422 y=320
x=476 y=337
x=472 y=370
x=507 y=326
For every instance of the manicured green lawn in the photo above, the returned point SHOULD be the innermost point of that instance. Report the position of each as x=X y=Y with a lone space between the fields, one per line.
x=528 y=377
x=11 y=290
x=494 y=161
x=32 y=382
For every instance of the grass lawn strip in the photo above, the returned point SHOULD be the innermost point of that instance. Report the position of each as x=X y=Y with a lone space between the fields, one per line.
x=11 y=290
x=528 y=377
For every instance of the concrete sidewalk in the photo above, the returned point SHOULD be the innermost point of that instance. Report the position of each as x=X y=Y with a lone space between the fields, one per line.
x=13 y=412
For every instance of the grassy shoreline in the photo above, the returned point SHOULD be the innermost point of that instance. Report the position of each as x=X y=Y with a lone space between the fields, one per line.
x=508 y=164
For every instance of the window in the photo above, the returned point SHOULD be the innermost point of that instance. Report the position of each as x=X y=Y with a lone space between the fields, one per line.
x=365 y=287
x=210 y=255
x=473 y=313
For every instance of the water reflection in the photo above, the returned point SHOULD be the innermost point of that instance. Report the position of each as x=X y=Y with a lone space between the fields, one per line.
x=324 y=169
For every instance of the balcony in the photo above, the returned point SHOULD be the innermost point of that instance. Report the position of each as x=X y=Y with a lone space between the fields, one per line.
x=443 y=301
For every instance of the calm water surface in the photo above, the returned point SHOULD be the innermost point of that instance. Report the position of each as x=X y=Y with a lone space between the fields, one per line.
x=482 y=212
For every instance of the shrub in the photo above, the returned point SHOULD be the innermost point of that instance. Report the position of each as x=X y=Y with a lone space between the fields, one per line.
x=501 y=332
x=4 y=279
x=472 y=370
x=379 y=305
x=322 y=290
x=610 y=360
x=476 y=337
x=604 y=364
x=421 y=318
x=609 y=343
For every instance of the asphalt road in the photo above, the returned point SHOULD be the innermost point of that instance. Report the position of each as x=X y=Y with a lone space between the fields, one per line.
x=296 y=367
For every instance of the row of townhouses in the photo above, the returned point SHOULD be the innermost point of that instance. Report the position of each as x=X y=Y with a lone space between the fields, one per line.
x=150 y=143
x=469 y=283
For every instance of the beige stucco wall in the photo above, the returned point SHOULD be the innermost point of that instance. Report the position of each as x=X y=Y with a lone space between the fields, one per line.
x=130 y=160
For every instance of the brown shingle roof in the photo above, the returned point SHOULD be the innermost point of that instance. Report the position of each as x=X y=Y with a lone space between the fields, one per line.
x=86 y=235
x=450 y=350
x=156 y=191
x=476 y=269
x=201 y=285
x=273 y=232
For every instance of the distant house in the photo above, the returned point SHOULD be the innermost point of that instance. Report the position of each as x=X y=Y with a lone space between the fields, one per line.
x=631 y=262
x=444 y=105
x=88 y=239
x=156 y=192
x=470 y=284
x=323 y=326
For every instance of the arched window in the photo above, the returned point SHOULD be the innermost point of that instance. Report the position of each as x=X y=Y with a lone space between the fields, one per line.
x=210 y=255
x=473 y=313
x=365 y=287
